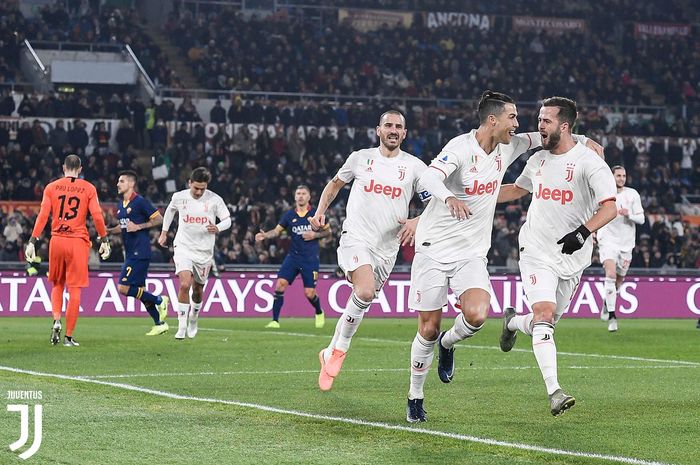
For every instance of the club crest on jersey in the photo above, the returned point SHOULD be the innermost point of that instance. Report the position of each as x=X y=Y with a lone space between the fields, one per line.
x=402 y=173
x=570 y=171
x=498 y=163
x=206 y=207
x=539 y=170
x=370 y=162
x=533 y=279
x=418 y=296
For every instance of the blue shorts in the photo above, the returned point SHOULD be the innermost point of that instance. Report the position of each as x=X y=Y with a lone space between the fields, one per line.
x=293 y=265
x=134 y=272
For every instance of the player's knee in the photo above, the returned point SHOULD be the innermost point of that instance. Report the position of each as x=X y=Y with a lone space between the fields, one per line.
x=366 y=294
x=429 y=330
x=475 y=319
x=311 y=293
x=475 y=315
x=281 y=286
x=123 y=290
x=544 y=313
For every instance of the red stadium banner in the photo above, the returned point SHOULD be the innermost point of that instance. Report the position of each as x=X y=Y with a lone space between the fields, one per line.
x=251 y=295
x=550 y=25
x=661 y=29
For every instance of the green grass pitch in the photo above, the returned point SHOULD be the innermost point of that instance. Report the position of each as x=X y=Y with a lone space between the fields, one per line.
x=240 y=394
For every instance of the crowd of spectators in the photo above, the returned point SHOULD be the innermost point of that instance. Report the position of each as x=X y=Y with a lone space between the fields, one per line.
x=256 y=168
x=80 y=22
x=605 y=64
x=256 y=173
x=631 y=10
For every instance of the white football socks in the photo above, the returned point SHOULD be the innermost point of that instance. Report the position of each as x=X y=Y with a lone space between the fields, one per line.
x=610 y=294
x=522 y=323
x=182 y=310
x=546 y=354
x=459 y=331
x=349 y=322
x=422 y=352
x=196 y=306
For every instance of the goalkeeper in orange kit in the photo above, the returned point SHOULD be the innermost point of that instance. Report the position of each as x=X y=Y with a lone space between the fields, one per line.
x=68 y=201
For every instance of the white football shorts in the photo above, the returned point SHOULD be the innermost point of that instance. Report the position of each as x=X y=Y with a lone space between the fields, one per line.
x=200 y=270
x=622 y=259
x=430 y=280
x=353 y=253
x=541 y=284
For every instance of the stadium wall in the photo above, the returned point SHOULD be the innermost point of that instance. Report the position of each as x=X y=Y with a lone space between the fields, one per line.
x=250 y=294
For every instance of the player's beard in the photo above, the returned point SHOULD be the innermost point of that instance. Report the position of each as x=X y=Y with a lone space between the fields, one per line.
x=552 y=140
x=391 y=144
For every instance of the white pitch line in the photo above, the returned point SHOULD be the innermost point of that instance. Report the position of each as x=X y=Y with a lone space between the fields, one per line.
x=465 y=345
x=352 y=421
x=371 y=370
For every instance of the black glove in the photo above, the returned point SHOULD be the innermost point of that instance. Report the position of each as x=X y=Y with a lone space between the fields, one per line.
x=574 y=240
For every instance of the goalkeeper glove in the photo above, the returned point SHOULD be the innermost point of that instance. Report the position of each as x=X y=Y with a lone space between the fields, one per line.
x=574 y=240
x=30 y=251
x=105 y=249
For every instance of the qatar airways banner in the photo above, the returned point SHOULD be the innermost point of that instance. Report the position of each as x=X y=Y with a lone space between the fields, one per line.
x=250 y=295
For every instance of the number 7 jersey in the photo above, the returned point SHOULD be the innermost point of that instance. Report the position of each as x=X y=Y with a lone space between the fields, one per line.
x=68 y=201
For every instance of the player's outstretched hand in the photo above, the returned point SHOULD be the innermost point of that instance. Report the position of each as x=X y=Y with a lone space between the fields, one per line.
x=407 y=233
x=317 y=221
x=29 y=252
x=163 y=238
x=105 y=250
x=212 y=229
x=574 y=240
x=259 y=237
x=458 y=208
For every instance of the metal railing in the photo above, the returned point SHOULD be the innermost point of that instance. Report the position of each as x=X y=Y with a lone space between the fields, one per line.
x=78 y=46
x=198 y=93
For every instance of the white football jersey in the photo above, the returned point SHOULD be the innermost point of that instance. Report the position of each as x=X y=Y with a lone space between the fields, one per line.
x=619 y=234
x=194 y=215
x=380 y=196
x=475 y=177
x=566 y=190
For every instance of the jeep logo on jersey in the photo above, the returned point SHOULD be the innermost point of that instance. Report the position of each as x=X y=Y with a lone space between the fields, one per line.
x=195 y=219
x=390 y=191
x=570 y=171
x=402 y=173
x=481 y=189
x=558 y=195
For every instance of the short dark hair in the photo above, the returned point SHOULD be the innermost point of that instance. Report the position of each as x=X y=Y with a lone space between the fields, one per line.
x=303 y=186
x=200 y=174
x=567 y=109
x=617 y=167
x=492 y=103
x=130 y=174
x=72 y=162
x=392 y=112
